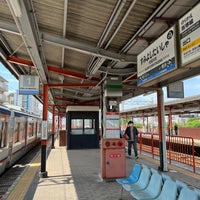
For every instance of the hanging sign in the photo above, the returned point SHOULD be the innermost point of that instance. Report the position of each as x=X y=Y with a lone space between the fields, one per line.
x=175 y=90
x=189 y=28
x=157 y=59
x=28 y=84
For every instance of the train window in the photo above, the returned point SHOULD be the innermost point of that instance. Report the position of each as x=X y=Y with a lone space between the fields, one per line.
x=17 y=131
x=22 y=130
x=30 y=129
x=3 y=134
x=36 y=128
x=40 y=129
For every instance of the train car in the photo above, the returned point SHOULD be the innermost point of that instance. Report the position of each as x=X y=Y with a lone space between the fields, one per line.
x=19 y=132
x=82 y=127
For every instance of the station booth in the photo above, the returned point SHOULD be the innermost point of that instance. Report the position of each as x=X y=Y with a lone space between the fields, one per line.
x=82 y=127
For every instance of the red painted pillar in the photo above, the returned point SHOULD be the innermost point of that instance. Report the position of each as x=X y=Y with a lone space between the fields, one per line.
x=161 y=130
x=43 y=172
x=53 y=127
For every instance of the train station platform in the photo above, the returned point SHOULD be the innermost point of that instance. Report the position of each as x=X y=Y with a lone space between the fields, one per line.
x=75 y=175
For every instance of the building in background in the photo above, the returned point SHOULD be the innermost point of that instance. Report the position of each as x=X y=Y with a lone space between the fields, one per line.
x=27 y=102
x=22 y=102
x=3 y=90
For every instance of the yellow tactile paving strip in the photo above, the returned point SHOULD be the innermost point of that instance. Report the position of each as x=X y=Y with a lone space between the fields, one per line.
x=20 y=189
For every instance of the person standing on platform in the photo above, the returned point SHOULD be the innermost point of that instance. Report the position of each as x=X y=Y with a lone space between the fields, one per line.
x=176 y=129
x=131 y=133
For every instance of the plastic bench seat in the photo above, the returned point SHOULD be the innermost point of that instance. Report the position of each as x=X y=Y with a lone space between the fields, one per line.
x=180 y=185
x=165 y=176
x=169 y=191
x=142 y=181
x=152 y=190
x=187 y=194
x=134 y=176
x=153 y=170
x=197 y=191
x=140 y=184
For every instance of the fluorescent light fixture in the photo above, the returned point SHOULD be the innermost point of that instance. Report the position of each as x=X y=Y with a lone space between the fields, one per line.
x=15 y=4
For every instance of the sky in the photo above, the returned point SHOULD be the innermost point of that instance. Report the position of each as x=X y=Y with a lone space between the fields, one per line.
x=13 y=83
x=191 y=88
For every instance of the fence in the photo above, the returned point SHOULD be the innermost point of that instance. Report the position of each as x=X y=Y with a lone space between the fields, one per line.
x=179 y=149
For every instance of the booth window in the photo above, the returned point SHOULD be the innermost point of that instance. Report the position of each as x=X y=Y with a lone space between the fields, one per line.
x=82 y=126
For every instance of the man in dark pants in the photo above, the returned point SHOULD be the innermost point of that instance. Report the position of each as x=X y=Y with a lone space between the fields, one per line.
x=176 y=129
x=131 y=133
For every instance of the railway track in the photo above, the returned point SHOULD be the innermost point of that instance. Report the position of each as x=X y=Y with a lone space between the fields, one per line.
x=10 y=177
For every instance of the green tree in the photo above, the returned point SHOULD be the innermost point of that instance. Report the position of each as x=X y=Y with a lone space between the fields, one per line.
x=193 y=122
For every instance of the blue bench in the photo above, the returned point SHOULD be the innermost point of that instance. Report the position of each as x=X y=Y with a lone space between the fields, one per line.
x=134 y=176
x=187 y=194
x=165 y=177
x=153 y=185
x=152 y=190
x=180 y=185
x=197 y=191
x=142 y=182
x=169 y=190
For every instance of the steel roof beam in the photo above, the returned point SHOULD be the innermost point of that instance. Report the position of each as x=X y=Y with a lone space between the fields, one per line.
x=77 y=46
x=77 y=97
x=65 y=72
x=69 y=85
x=20 y=61
x=88 y=49
x=69 y=73
x=116 y=71
x=9 y=28
x=168 y=21
x=84 y=91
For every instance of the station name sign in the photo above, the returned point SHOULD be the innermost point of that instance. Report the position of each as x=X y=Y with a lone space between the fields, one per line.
x=189 y=28
x=158 y=59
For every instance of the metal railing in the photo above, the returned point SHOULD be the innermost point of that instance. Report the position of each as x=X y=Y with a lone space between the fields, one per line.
x=179 y=149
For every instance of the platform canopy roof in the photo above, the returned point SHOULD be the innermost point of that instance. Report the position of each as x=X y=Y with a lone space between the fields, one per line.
x=73 y=45
x=183 y=107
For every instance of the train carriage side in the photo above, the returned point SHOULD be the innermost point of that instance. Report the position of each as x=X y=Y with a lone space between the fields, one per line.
x=26 y=134
x=4 y=137
x=82 y=123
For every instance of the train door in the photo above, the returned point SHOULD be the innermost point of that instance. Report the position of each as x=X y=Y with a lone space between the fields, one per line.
x=82 y=129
